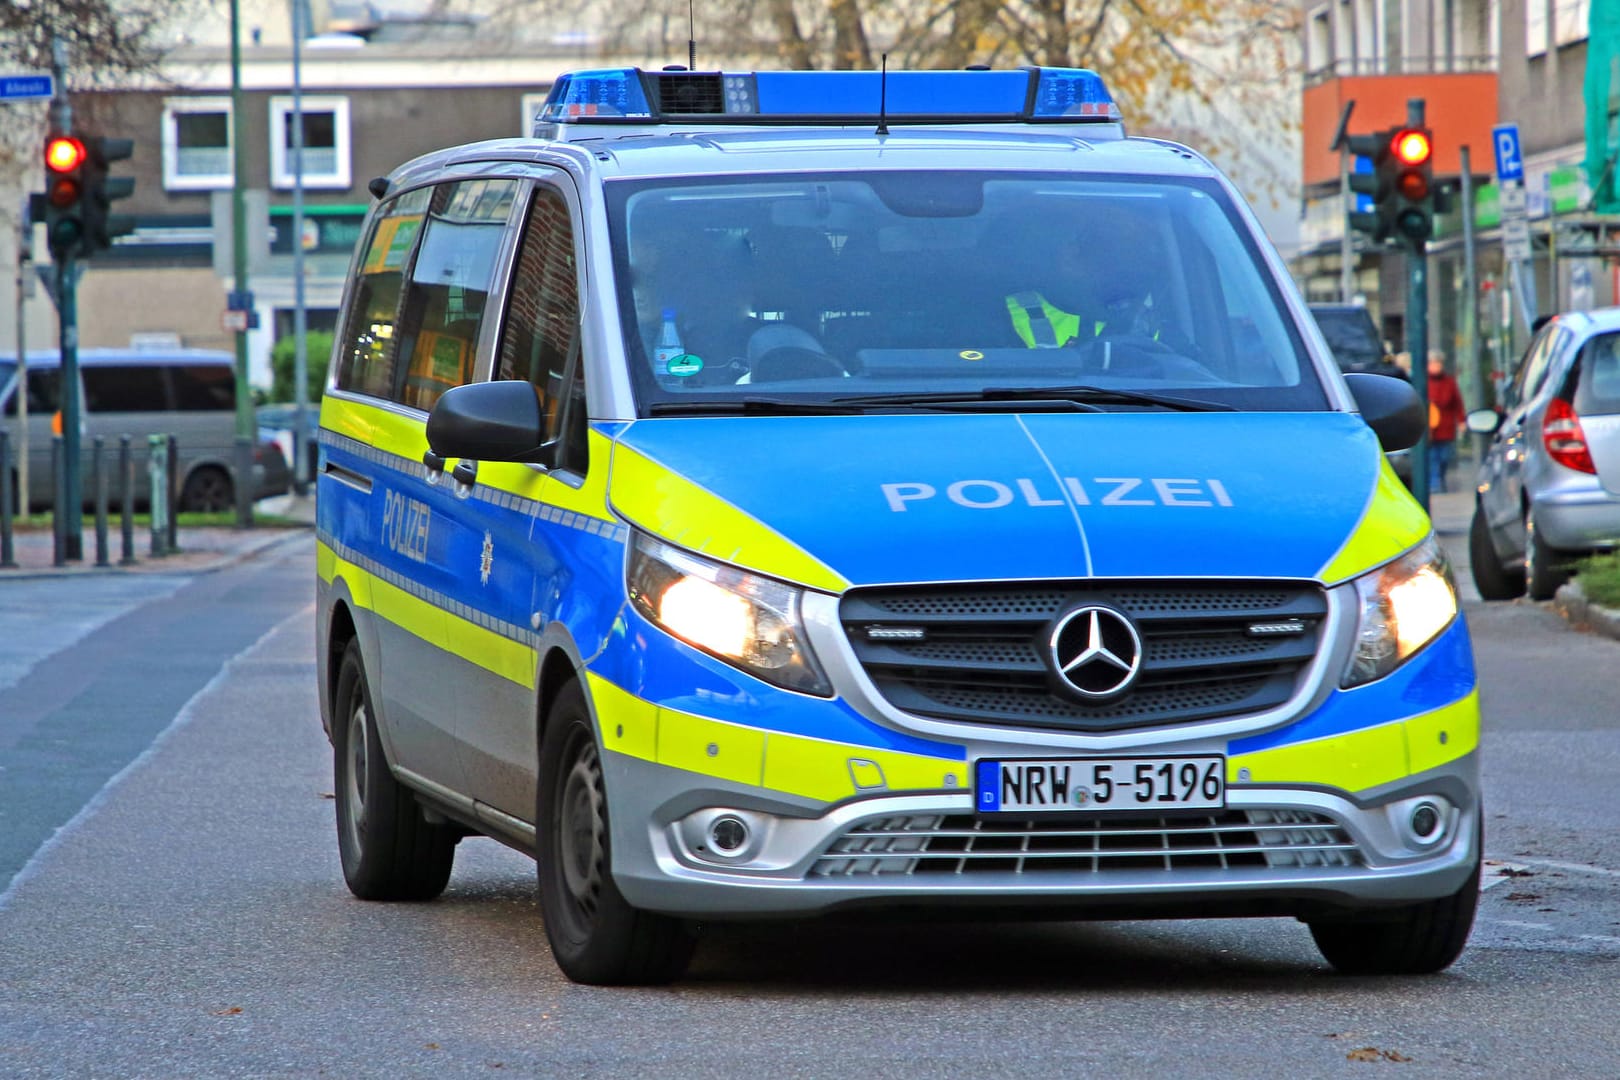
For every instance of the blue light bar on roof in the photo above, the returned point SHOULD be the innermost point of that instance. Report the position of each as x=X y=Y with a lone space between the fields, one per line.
x=631 y=95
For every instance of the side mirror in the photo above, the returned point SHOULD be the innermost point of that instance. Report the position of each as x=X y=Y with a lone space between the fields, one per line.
x=1484 y=421
x=491 y=421
x=1390 y=407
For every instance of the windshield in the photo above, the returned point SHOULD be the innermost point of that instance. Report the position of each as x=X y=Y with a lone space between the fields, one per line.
x=889 y=285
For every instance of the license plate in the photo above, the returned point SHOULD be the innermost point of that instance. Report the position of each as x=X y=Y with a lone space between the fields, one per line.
x=1089 y=784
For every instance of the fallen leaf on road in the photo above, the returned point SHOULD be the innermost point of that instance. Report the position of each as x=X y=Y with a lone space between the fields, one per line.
x=431 y=1046
x=327 y=795
x=232 y=1011
x=1372 y=1053
x=1523 y=897
x=1508 y=871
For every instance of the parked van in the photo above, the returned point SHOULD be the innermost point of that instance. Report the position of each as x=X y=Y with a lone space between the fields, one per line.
x=187 y=393
x=968 y=515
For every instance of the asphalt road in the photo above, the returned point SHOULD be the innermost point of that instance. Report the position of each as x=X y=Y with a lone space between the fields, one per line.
x=171 y=903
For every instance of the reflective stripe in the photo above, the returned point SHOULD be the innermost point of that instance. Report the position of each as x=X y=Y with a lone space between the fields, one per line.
x=1359 y=760
x=1035 y=328
x=678 y=510
x=1393 y=522
x=793 y=764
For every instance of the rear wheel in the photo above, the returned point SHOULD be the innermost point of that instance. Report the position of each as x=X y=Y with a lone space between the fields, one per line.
x=595 y=935
x=1416 y=940
x=1492 y=581
x=388 y=849
x=207 y=490
x=1544 y=567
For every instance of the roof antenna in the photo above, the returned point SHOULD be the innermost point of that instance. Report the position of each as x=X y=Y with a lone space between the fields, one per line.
x=883 y=98
x=691 y=38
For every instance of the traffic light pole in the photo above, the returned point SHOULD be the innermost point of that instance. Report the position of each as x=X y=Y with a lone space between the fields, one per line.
x=1417 y=346
x=71 y=506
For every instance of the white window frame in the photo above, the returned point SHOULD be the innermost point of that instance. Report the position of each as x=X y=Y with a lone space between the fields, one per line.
x=281 y=173
x=173 y=179
x=528 y=108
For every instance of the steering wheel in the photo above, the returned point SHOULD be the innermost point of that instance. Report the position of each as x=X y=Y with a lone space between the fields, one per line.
x=787 y=362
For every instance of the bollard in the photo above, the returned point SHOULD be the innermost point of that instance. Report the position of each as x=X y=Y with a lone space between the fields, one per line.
x=8 y=553
x=126 y=499
x=98 y=480
x=173 y=543
x=58 y=517
x=157 y=469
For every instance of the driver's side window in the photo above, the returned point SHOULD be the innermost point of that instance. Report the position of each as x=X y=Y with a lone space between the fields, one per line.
x=540 y=340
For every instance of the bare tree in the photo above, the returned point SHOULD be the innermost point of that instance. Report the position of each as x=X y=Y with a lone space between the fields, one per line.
x=108 y=41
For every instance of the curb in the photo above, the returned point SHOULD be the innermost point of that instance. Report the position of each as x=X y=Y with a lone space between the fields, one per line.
x=1572 y=604
x=185 y=563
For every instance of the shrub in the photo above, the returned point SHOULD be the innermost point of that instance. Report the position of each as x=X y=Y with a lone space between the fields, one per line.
x=1600 y=579
x=318 y=350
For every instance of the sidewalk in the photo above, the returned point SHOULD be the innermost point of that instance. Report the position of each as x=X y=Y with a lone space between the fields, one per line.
x=202 y=548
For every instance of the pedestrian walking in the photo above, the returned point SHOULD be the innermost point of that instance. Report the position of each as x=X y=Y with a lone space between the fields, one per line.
x=1446 y=413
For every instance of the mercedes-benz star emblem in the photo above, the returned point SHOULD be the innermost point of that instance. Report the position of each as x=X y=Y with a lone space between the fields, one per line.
x=1096 y=651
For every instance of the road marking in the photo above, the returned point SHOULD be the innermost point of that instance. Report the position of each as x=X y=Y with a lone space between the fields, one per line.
x=1572 y=867
x=181 y=719
x=1501 y=870
x=1519 y=924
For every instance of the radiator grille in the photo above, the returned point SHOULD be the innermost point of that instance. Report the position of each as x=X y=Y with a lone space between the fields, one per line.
x=980 y=653
x=961 y=844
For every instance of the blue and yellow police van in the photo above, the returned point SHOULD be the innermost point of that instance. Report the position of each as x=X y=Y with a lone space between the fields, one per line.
x=774 y=494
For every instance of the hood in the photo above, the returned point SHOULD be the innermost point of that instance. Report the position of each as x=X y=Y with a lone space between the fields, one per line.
x=948 y=497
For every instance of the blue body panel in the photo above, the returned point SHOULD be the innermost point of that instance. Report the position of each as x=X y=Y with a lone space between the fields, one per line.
x=917 y=498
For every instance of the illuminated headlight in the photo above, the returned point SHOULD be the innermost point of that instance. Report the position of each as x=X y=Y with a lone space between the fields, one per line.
x=748 y=621
x=1404 y=606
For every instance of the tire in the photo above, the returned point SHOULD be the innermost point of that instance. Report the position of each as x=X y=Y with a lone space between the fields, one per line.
x=208 y=490
x=1492 y=581
x=1417 y=940
x=388 y=849
x=1544 y=570
x=596 y=936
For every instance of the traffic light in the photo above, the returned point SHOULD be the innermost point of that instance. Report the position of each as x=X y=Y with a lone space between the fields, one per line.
x=101 y=226
x=1375 y=184
x=1412 y=155
x=65 y=158
x=1400 y=185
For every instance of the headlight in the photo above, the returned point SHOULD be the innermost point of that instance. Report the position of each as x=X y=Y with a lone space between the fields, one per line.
x=1404 y=606
x=750 y=622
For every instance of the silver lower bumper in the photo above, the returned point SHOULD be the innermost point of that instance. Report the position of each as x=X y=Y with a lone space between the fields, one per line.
x=792 y=864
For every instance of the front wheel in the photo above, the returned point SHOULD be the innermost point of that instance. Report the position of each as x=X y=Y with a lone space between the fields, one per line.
x=596 y=936
x=1416 y=940
x=388 y=849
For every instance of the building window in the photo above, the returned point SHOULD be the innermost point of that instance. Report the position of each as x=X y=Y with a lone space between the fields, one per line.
x=326 y=142
x=1569 y=19
x=197 y=153
x=1319 y=45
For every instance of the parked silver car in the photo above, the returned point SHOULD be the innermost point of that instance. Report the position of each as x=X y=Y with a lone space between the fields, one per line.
x=1549 y=485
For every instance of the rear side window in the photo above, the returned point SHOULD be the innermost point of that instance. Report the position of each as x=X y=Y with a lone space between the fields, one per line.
x=43 y=394
x=1598 y=389
x=126 y=388
x=449 y=287
x=204 y=387
x=366 y=360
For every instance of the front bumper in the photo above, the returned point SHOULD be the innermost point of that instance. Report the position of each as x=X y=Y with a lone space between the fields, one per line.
x=1277 y=850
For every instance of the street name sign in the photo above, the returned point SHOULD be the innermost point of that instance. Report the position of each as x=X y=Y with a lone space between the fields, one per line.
x=27 y=86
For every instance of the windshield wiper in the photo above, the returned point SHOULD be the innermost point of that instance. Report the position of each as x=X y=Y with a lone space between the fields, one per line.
x=751 y=406
x=1080 y=394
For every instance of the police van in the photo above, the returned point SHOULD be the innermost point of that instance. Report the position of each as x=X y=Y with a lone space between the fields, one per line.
x=776 y=494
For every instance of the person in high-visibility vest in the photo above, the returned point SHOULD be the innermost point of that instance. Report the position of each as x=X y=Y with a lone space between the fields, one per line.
x=1109 y=303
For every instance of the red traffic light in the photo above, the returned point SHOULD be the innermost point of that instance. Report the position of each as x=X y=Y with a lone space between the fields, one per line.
x=1413 y=185
x=1411 y=147
x=64 y=153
